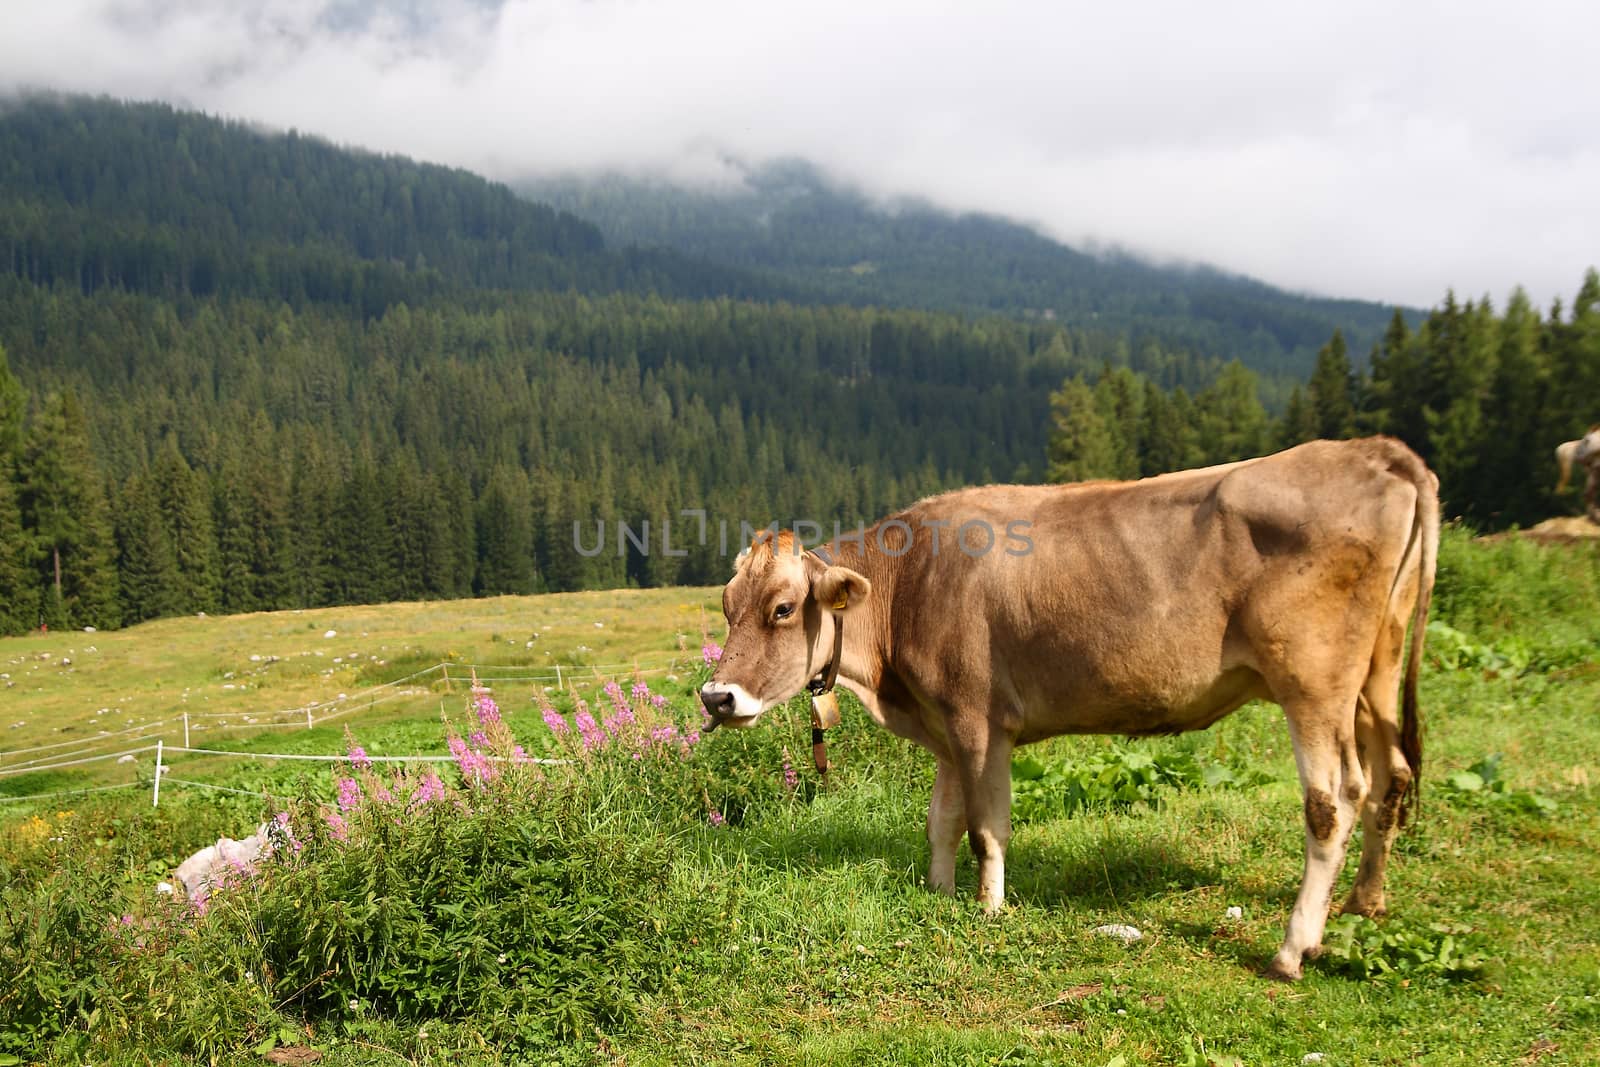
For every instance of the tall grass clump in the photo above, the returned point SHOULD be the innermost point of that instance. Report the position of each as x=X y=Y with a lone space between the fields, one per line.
x=1502 y=587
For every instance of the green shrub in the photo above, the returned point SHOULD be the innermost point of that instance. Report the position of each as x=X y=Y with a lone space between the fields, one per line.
x=1482 y=786
x=1113 y=779
x=1357 y=946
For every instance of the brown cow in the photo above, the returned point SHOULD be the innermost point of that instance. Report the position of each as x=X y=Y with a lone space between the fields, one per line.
x=986 y=618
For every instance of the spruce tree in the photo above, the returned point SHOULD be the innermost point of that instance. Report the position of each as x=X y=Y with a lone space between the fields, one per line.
x=1081 y=445
x=63 y=505
x=1170 y=441
x=1330 y=394
x=1232 y=423
x=184 y=498
x=19 y=595
x=1299 y=423
x=150 y=584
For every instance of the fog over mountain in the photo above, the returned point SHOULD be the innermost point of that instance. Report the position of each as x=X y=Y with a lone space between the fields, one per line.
x=1362 y=151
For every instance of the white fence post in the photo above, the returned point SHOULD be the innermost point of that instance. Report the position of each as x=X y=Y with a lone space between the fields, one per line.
x=308 y=717
x=186 y=729
x=155 y=796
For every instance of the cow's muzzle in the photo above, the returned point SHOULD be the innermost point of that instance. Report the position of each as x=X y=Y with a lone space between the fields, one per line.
x=729 y=705
x=719 y=703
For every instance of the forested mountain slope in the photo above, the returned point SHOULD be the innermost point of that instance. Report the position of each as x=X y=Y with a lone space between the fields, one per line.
x=788 y=219
x=98 y=194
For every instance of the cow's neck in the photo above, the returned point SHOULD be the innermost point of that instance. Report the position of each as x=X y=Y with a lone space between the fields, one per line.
x=862 y=658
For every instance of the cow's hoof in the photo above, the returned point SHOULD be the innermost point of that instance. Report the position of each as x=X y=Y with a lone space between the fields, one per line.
x=1371 y=909
x=1279 y=971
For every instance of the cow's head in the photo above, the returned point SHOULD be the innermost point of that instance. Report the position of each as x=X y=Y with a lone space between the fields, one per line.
x=783 y=606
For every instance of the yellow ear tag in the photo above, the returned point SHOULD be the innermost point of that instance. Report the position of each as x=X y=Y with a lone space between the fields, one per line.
x=842 y=602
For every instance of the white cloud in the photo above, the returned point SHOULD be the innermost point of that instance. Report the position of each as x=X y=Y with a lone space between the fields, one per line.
x=1375 y=150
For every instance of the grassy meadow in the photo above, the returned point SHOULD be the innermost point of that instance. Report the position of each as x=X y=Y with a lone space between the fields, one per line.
x=665 y=898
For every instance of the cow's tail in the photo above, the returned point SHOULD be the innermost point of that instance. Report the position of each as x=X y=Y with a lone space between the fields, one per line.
x=1426 y=532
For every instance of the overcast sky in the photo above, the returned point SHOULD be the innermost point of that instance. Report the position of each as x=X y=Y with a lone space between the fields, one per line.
x=1380 y=150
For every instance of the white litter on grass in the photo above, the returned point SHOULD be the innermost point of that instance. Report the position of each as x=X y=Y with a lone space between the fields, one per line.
x=126 y=759
x=1313 y=1057
x=163 y=887
x=1234 y=913
x=1126 y=934
x=88 y=629
x=331 y=633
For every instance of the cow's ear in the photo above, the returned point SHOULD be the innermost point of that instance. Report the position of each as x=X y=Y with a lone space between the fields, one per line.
x=840 y=589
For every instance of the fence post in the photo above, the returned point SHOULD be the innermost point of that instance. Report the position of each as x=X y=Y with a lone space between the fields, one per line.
x=155 y=796
x=186 y=729
x=558 y=677
x=445 y=667
x=308 y=716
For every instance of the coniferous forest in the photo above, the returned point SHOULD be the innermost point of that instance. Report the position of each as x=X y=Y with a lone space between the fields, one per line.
x=245 y=371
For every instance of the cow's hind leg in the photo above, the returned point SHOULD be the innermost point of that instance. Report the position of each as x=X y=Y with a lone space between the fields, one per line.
x=1323 y=732
x=1388 y=777
x=947 y=819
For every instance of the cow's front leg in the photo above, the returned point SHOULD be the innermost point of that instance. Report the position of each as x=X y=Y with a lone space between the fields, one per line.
x=985 y=767
x=947 y=818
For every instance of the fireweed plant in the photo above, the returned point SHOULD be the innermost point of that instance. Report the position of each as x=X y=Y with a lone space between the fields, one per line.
x=521 y=890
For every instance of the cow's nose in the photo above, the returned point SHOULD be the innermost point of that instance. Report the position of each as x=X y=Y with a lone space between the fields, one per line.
x=718 y=702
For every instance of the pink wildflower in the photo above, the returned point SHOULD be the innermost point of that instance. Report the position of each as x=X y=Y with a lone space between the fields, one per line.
x=588 y=730
x=711 y=652
x=791 y=780
x=714 y=817
x=359 y=758
x=555 y=720
x=479 y=739
x=336 y=825
x=658 y=701
x=640 y=691
x=349 y=794
x=519 y=756
x=431 y=788
x=488 y=710
x=475 y=767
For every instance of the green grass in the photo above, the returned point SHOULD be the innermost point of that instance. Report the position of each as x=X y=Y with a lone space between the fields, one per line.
x=801 y=932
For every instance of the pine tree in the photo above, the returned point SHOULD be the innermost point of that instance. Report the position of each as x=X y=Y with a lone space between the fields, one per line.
x=1391 y=398
x=184 y=498
x=146 y=563
x=1171 y=442
x=64 y=506
x=1299 y=421
x=13 y=405
x=1119 y=395
x=1330 y=394
x=505 y=536
x=1081 y=445
x=1233 y=424
x=19 y=596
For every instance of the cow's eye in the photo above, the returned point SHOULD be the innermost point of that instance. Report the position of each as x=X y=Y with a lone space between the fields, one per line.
x=783 y=611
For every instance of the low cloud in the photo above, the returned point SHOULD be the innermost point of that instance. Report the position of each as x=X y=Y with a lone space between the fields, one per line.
x=1364 y=150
